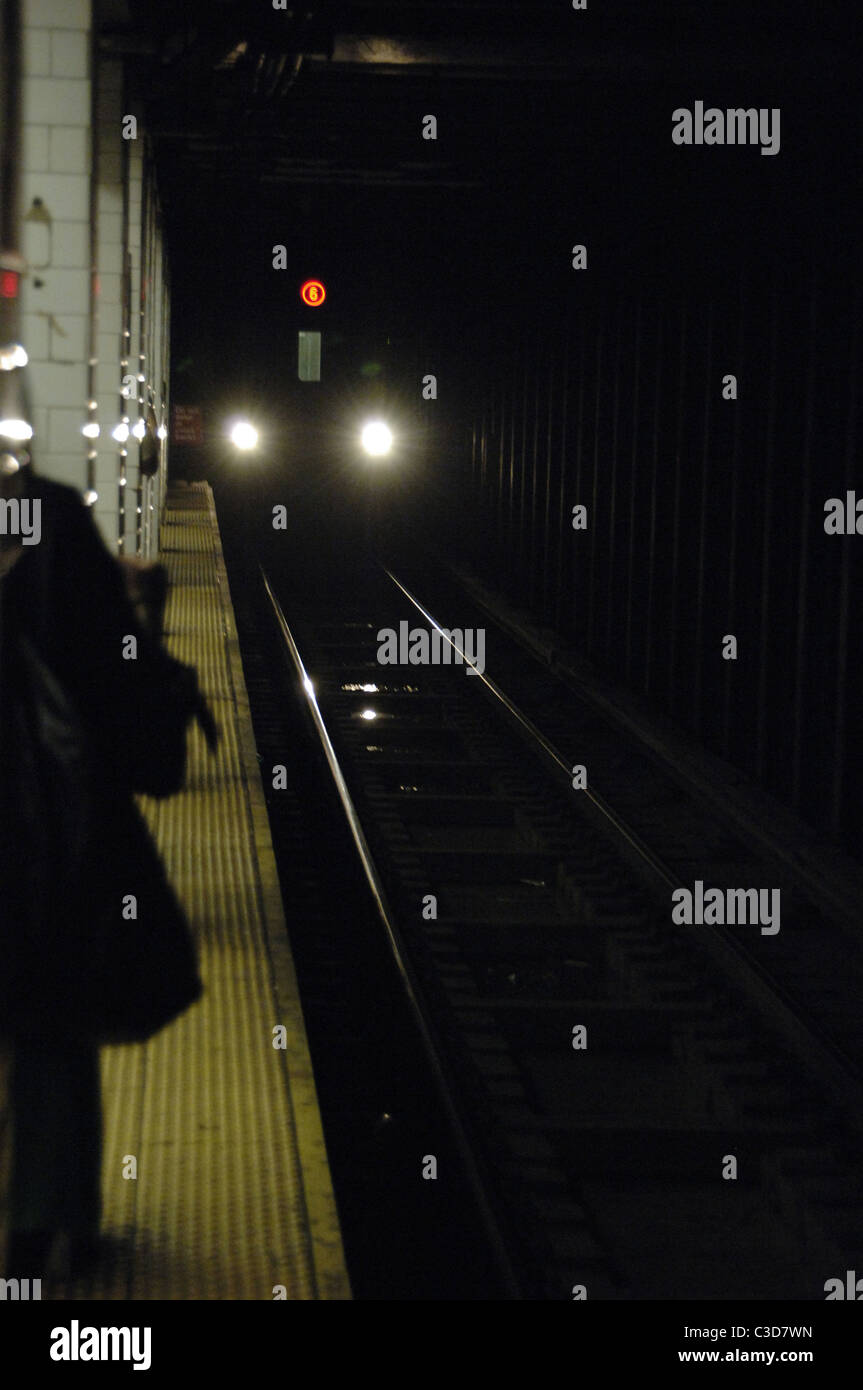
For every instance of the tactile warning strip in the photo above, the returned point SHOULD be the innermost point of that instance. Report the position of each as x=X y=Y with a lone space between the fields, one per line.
x=232 y=1198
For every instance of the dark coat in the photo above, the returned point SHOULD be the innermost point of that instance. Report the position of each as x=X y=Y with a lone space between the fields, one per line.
x=72 y=957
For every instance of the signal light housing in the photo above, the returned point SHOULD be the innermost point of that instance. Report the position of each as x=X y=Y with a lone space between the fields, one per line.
x=312 y=293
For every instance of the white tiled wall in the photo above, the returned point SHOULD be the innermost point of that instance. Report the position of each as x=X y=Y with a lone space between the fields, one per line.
x=64 y=155
x=109 y=221
x=55 y=297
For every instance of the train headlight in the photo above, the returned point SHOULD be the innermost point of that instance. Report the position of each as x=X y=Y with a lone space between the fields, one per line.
x=376 y=438
x=243 y=435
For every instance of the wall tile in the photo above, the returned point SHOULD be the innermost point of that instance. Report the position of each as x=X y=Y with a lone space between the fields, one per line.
x=56 y=101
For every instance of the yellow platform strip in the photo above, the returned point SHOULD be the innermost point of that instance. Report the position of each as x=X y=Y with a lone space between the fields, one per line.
x=233 y=1195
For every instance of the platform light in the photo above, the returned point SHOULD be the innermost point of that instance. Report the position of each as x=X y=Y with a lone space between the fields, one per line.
x=369 y=714
x=162 y=432
x=243 y=435
x=11 y=356
x=90 y=430
x=377 y=438
x=90 y=497
x=120 y=432
x=16 y=429
x=139 y=429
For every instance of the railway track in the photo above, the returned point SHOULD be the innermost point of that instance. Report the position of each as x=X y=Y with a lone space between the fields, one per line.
x=654 y=1110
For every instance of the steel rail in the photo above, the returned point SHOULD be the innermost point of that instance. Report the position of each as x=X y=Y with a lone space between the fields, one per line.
x=819 y=1054
x=400 y=957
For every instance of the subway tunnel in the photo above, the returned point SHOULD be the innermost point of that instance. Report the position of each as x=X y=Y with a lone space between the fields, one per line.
x=525 y=878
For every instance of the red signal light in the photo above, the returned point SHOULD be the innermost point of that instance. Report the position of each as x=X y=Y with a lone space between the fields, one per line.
x=312 y=293
x=8 y=284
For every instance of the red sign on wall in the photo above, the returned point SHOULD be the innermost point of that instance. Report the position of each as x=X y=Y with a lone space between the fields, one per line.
x=187 y=425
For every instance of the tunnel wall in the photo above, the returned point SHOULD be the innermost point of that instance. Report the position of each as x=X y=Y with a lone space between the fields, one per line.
x=705 y=514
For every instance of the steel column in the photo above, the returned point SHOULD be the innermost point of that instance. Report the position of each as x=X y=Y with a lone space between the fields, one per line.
x=592 y=515
x=761 y=752
x=730 y=675
x=633 y=490
x=840 y=723
x=673 y=614
x=799 y=702
x=654 y=475
x=702 y=533
x=564 y=475
x=610 y=612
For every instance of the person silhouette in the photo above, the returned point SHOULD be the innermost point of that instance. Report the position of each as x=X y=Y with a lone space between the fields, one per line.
x=82 y=728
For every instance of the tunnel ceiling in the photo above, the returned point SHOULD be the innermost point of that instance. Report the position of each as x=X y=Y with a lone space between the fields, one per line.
x=302 y=126
x=242 y=95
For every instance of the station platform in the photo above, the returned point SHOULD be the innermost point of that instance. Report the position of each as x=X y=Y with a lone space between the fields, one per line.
x=233 y=1197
